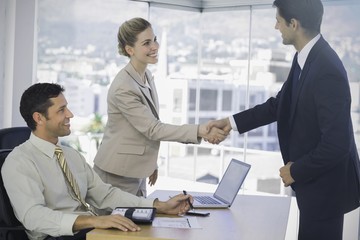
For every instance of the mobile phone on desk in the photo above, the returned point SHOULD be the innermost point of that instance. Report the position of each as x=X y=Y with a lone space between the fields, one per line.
x=200 y=214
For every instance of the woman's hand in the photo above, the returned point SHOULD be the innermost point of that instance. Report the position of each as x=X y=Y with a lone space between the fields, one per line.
x=153 y=177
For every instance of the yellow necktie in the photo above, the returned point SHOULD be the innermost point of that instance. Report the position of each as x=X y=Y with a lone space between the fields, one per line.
x=70 y=179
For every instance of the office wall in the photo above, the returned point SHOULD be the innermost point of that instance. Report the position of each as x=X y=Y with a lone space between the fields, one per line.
x=18 y=58
x=2 y=56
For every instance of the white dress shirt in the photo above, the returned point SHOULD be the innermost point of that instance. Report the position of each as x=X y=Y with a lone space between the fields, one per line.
x=41 y=198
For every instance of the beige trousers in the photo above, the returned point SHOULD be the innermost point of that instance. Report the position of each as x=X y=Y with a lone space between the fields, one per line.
x=136 y=186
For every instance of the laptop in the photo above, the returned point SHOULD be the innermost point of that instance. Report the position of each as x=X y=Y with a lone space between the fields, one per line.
x=227 y=189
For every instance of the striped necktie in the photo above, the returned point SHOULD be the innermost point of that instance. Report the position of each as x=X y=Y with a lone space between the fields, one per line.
x=70 y=179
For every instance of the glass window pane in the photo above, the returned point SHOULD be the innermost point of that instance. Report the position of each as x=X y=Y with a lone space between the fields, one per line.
x=192 y=99
x=208 y=100
x=178 y=99
x=77 y=48
x=177 y=32
x=224 y=65
x=227 y=100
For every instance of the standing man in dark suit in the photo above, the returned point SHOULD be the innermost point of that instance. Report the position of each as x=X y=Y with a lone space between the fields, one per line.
x=315 y=132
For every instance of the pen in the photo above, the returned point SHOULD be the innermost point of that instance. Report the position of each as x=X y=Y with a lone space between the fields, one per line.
x=191 y=206
x=188 y=222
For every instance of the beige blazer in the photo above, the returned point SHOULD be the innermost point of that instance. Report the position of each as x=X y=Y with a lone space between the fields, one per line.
x=133 y=132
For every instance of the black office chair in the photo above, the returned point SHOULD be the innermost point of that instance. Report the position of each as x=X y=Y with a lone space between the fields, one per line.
x=14 y=136
x=10 y=227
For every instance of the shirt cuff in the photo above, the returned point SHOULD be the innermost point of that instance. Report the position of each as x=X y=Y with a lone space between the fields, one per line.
x=232 y=123
x=67 y=224
x=147 y=202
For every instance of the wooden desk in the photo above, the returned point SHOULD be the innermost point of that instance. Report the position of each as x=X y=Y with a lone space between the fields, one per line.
x=249 y=218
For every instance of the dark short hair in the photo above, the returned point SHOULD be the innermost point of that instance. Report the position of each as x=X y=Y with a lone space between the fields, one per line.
x=128 y=33
x=37 y=99
x=308 y=12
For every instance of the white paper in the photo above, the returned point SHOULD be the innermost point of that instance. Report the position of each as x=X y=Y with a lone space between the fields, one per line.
x=180 y=222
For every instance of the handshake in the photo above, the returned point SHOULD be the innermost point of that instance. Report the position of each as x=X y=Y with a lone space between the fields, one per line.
x=215 y=131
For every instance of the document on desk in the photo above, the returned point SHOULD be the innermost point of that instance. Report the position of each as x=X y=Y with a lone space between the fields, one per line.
x=180 y=222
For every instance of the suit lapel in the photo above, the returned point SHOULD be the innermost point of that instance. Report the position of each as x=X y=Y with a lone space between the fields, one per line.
x=304 y=77
x=153 y=93
x=151 y=98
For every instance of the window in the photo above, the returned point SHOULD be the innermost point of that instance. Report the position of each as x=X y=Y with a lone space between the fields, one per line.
x=208 y=100
x=77 y=48
x=192 y=99
x=207 y=70
x=227 y=100
x=178 y=97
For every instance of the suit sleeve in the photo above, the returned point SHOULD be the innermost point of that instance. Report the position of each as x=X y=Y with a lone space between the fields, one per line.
x=257 y=116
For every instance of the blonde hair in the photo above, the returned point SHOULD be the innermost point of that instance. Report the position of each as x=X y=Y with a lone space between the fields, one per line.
x=128 y=32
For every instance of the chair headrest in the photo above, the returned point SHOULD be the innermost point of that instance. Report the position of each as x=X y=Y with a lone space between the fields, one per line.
x=14 y=136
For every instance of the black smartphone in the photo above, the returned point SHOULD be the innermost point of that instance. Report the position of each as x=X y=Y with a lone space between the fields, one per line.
x=200 y=214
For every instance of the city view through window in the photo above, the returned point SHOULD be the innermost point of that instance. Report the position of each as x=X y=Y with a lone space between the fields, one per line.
x=211 y=65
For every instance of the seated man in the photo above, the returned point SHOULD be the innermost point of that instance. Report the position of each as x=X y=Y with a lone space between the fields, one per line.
x=53 y=193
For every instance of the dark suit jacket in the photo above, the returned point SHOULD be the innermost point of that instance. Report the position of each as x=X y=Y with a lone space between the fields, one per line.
x=315 y=132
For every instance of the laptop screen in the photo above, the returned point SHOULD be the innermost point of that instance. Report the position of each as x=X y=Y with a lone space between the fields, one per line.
x=232 y=180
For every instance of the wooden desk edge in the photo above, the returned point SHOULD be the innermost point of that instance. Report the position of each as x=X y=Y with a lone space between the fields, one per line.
x=113 y=234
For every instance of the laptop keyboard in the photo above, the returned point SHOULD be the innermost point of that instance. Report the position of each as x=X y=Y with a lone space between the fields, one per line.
x=205 y=200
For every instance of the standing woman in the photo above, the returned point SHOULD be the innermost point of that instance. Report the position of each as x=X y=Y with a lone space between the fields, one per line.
x=129 y=149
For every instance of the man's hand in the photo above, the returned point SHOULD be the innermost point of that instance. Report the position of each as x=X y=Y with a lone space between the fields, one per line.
x=286 y=175
x=176 y=205
x=104 y=222
x=223 y=124
x=153 y=177
x=213 y=135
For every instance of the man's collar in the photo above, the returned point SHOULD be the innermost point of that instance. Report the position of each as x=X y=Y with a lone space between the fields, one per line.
x=303 y=54
x=44 y=146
